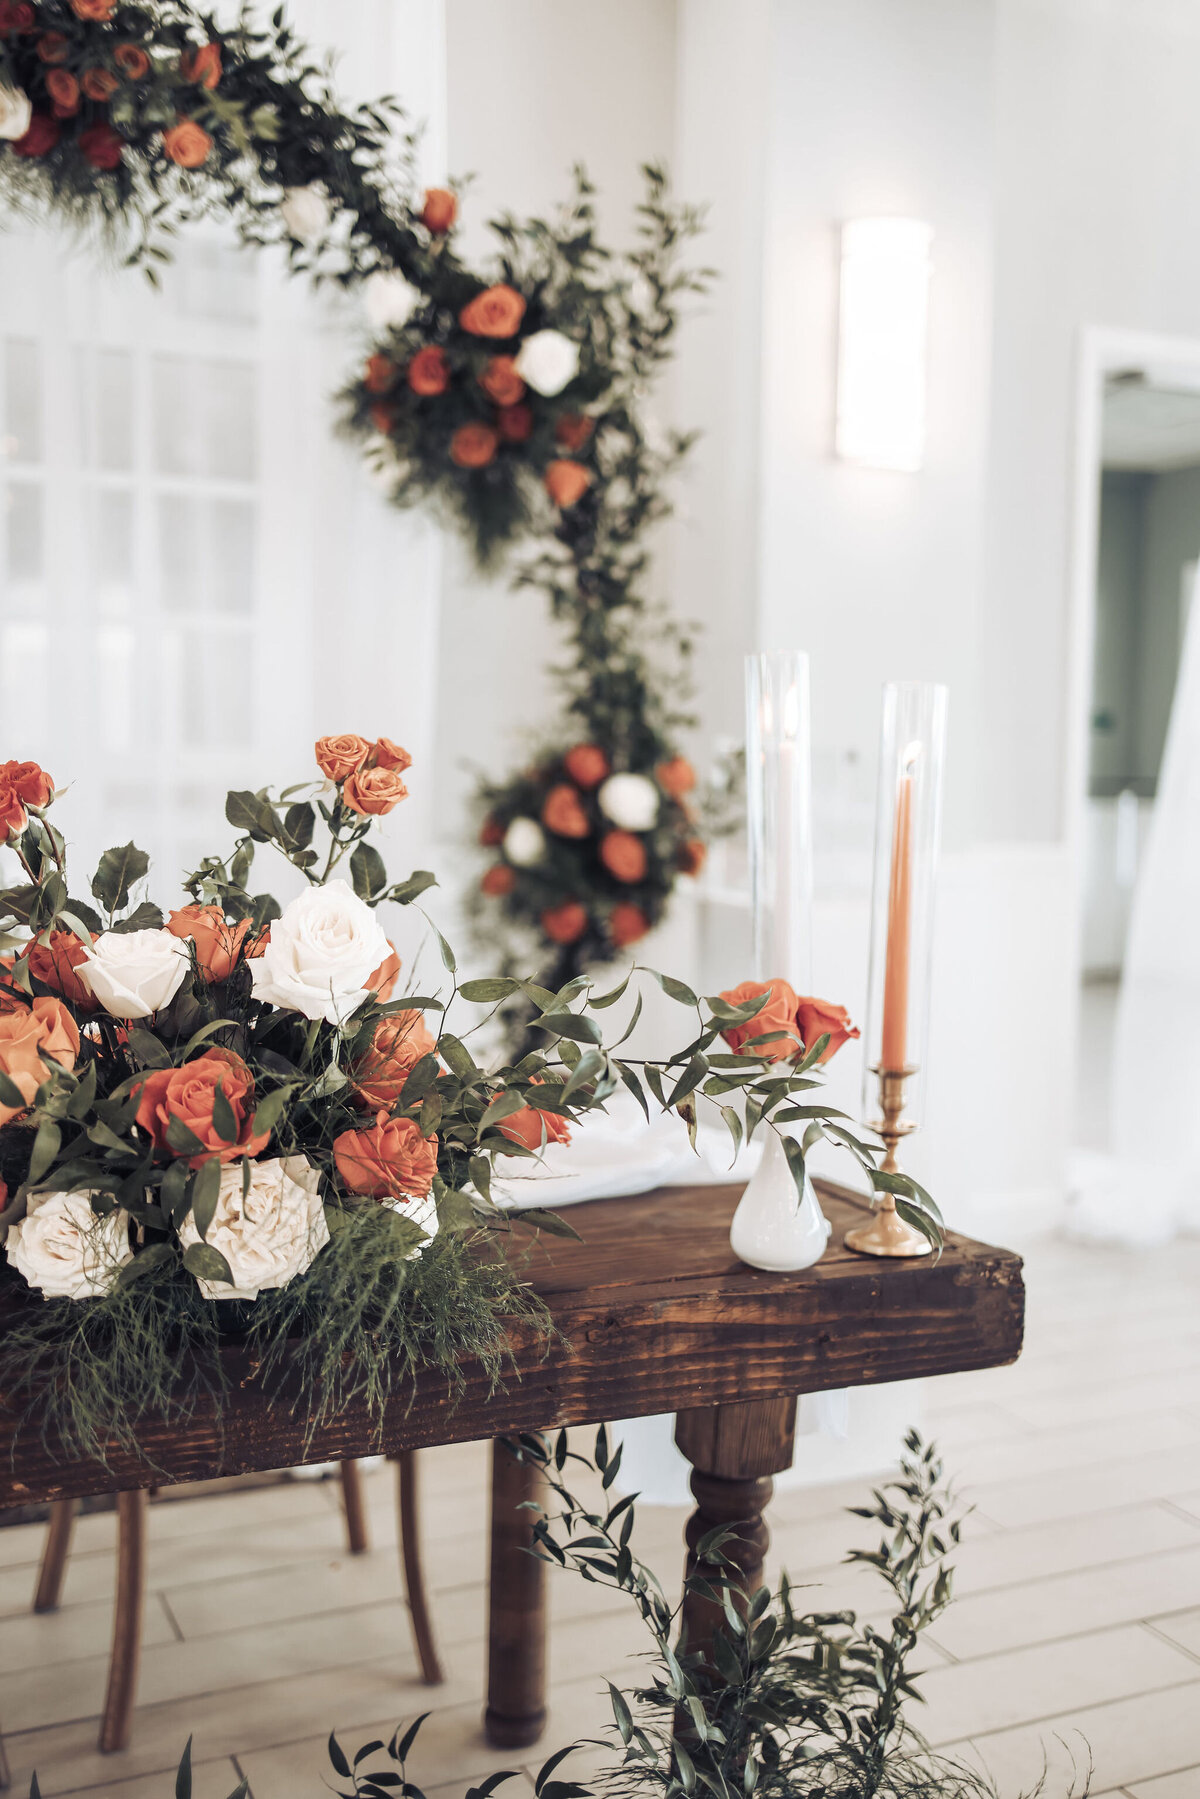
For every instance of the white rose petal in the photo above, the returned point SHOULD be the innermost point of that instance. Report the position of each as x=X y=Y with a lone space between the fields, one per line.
x=388 y=299
x=631 y=801
x=64 y=1250
x=423 y=1212
x=547 y=361
x=16 y=113
x=320 y=954
x=271 y=1235
x=135 y=973
x=306 y=213
x=524 y=843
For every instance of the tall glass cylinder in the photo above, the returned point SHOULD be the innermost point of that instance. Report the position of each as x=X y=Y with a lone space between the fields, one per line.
x=908 y=822
x=779 y=815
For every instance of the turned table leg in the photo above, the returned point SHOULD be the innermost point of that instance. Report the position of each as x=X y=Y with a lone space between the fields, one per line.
x=734 y=1450
x=516 y=1702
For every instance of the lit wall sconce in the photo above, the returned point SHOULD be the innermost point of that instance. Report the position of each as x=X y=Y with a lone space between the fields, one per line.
x=882 y=319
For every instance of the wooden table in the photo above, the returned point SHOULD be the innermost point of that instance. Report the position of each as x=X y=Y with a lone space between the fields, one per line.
x=656 y=1315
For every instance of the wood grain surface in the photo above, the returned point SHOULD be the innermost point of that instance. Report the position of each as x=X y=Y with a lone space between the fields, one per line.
x=655 y=1314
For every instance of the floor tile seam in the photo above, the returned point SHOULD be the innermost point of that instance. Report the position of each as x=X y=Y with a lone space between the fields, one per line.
x=996 y=1730
x=1150 y=1626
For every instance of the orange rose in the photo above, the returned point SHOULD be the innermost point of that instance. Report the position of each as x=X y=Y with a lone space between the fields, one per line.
x=384 y=978
x=626 y=923
x=439 y=211
x=498 y=880
x=218 y=943
x=372 y=792
x=567 y=482
x=572 y=430
x=381 y=371
x=497 y=312
x=676 y=777
x=54 y=965
x=779 y=1014
x=189 y=1094
x=390 y=1161
x=473 y=445
x=103 y=147
x=624 y=855
x=515 y=424
x=53 y=47
x=491 y=833
x=131 y=60
x=816 y=1017
x=587 y=765
x=12 y=813
x=338 y=757
x=187 y=143
x=386 y=754
x=501 y=382
x=97 y=10
x=45 y=1026
x=429 y=372
x=396 y=1047
x=63 y=89
x=28 y=781
x=565 y=923
x=563 y=812
x=202 y=66
x=692 y=856
x=99 y=84
x=533 y=1128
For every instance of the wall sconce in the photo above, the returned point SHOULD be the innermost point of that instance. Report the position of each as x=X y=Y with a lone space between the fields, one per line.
x=882 y=318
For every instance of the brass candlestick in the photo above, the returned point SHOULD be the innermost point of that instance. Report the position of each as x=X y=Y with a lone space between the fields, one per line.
x=888 y=1234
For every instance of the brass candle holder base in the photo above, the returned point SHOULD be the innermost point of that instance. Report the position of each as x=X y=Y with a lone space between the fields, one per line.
x=888 y=1234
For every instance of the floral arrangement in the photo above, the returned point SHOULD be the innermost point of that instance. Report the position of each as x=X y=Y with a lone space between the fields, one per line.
x=229 y=1118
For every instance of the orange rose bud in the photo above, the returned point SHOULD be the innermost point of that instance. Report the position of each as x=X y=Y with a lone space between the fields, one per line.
x=533 y=1128
x=439 y=211
x=587 y=765
x=624 y=855
x=818 y=1018
x=13 y=818
x=373 y=792
x=497 y=312
x=99 y=84
x=692 y=856
x=676 y=777
x=383 y=417
x=190 y=1095
x=187 y=143
x=565 y=923
x=498 y=880
x=563 y=813
x=515 y=424
x=63 y=90
x=380 y=373
x=779 y=1014
x=202 y=66
x=338 y=757
x=429 y=372
x=572 y=431
x=53 y=47
x=54 y=965
x=218 y=944
x=396 y=1047
x=501 y=382
x=567 y=482
x=626 y=923
x=24 y=1034
x=491 y=833
x=28 y=781
x=473 y=445
x=386 y=754
x=132 y=60
x=96 y=10
x=384 y=978
x=390 y=1161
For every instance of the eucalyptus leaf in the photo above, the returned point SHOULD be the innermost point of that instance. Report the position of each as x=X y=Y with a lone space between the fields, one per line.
x=207 y=1263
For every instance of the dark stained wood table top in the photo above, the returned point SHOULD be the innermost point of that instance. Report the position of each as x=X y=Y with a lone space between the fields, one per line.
x=656 y=1314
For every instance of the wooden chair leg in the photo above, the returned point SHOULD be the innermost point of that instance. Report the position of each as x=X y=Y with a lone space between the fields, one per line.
x=355 y=1510
x=54 y=1555
x=408 y=1503
x=127 y=1622
x=516 y=1695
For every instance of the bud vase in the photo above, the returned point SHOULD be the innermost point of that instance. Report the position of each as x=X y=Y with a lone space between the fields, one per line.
x=772 y=1228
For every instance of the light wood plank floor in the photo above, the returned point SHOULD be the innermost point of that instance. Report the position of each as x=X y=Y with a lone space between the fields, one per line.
x=1077 y=1622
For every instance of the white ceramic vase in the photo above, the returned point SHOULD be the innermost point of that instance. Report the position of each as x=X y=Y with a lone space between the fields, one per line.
x=771 y=1228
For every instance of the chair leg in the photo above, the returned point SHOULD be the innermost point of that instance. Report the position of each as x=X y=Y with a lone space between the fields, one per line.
x=414 y=1575
x=54 y=1555
x=355 y=1510
x=127 y=1622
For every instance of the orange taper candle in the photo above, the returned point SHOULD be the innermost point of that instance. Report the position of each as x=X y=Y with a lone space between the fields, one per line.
x=893 y=1055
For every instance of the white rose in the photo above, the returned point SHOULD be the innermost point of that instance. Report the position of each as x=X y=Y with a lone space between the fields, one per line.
x=64 y=1250
x=547 y=361
x=524 y=843
x=271 y=1235
x=631 y=801
x=16 y=113
x=321 y=954
x=388 y=299
x=306 y=213
x=135 y=973
x=423 y=1212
